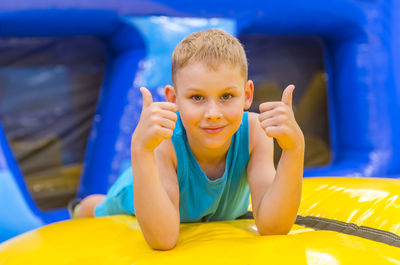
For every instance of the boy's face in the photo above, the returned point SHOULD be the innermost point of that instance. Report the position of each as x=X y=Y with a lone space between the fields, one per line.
x=210 y=103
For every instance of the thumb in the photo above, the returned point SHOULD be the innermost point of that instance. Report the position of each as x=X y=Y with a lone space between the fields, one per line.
x=147 y=97
x=287 y=95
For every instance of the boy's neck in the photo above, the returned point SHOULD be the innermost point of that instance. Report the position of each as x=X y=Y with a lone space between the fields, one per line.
x=207 y=155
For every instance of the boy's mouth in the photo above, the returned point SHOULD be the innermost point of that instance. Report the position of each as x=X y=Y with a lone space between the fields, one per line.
x=213 y=130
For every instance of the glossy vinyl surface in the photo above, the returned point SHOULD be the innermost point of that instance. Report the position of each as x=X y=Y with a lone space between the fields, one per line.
x=367 y=202
x=118 y=239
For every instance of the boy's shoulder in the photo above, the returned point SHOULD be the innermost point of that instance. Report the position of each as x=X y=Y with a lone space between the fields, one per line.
x=253 y=116
x=165 y=153
x=253 y=128
x=256 y=132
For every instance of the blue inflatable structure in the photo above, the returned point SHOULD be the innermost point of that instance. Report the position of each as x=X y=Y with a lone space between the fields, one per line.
x=360 y=40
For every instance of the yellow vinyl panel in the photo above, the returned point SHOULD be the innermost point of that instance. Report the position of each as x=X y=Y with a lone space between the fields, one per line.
x=368 y=202
x=118 y=239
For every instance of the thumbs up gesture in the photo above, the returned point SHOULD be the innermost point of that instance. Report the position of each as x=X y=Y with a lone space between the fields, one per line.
x=157 y=122
x=277 y=120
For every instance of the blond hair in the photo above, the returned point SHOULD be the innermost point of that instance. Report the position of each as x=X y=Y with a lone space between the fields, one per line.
x=212 y=47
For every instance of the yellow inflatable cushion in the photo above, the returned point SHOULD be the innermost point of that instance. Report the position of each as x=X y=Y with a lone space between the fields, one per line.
x=118 y=239
x=369 y=202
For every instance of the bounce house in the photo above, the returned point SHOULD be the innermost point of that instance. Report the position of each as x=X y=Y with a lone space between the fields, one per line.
x=350 y=205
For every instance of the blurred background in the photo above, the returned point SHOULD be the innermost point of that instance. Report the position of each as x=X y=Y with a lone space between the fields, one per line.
x=50 y=88
x=49 y=91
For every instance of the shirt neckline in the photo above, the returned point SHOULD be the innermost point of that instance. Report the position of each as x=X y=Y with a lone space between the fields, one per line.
x=196 y=164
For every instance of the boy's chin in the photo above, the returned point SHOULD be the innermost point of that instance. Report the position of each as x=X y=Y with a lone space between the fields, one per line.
x=213 y=144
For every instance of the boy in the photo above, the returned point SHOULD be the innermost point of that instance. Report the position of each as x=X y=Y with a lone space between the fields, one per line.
x=197 y=156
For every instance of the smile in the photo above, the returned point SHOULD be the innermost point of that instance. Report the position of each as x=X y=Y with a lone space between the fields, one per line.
x=213 y=130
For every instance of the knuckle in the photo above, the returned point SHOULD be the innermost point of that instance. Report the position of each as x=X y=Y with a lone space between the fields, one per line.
x=281 y=110
x=282 y=118
x=158 y=130
x=153 y=109
x=284 y=129
x=166 y=133
x=264 y=124
x=174 y=117
x=152 y=130
x=263 y=106
x=153 y=119
x=264 y=114
x=155 y=129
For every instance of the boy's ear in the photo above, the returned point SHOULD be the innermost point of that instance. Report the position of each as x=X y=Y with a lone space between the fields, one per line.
x=170 y=95
x=248 y=94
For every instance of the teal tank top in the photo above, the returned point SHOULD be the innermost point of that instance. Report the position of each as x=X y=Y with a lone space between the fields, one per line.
x=202 y=199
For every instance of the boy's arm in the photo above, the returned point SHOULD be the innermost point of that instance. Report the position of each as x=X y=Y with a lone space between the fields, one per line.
x=276 y=194
x=156 y=197
x=156 y=194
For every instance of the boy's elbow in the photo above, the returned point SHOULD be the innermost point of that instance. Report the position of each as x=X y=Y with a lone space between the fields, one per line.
x=271 y=230
x=166 y=243
x=163 y=245
x=161 y=237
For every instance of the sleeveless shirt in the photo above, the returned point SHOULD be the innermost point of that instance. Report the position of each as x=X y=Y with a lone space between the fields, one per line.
x=200 y=199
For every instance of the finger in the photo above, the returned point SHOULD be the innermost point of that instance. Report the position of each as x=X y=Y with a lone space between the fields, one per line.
x=166 y=114
x=165 y=133
x=287 y=95
x=170 y=115
x=266 y=106
x=274 y=131
x=266 y=115
x=147 y=97
x=167 y=123
x=277 y=111
x=274 y=121
x=168 y=106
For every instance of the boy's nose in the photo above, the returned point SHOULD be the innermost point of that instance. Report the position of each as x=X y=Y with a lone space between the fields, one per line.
x=213 y=112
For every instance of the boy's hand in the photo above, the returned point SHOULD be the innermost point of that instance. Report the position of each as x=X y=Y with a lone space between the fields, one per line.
x=157 y=122
x=277 y=120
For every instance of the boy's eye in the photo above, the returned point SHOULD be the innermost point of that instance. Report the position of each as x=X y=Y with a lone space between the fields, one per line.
x=196 y=97
x=226 y=96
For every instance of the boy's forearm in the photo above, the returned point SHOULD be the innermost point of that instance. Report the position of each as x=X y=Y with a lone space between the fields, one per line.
x=279 y=206
x=155 y=212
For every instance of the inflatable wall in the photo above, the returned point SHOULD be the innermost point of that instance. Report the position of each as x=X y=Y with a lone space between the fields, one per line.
x=359 y=39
